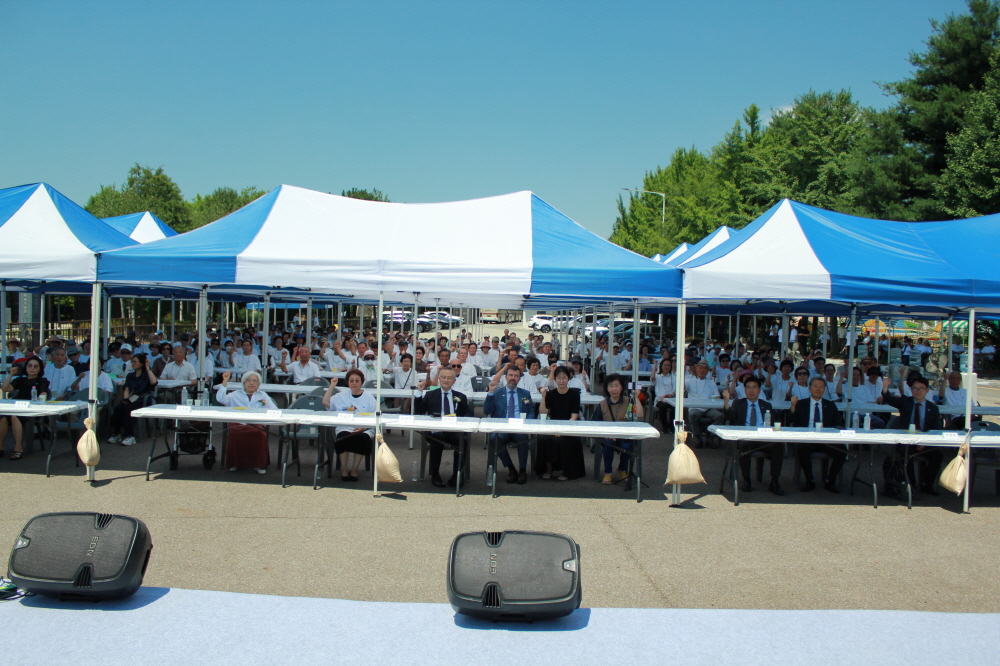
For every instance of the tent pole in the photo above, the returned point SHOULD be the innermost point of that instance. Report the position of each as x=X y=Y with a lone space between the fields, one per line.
x=679 y=370
x=826 y=335
x=158 y=304
x=378 y=397
x=3 y=324
x=309 y=328
x=635 y=341
x=173 y=318
x=970 y=379
x=265 y=339
x=784 y=336
x=849 y=376
x=878 y=347
x=95 y=363
x=753 y=332
x=736 y=343
x=413 y=363
x=437 y=336
x=95 y=344
x=41 y=320
x=593 y=347
x=202 y=334
x=340 y=320
x=948 y=346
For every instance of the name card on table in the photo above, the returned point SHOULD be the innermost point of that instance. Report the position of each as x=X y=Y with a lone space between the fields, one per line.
x=24 y=404
x=406 y=418
x=515 y=423
x=848 y=433
x=764 y=431
x=183 y=409
x=346 y=415
x=276 y=413
x=950 y=435
x=449 y=419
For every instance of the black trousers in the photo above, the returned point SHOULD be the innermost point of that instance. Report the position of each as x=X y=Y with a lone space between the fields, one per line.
x=121 y=418
x=437 y=441
x=666 y=414
x=775 y=453
x=804 y=451
x=934 y=457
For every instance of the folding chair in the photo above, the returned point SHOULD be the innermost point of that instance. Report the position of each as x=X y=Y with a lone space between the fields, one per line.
x=464 y=466
x=295 y=433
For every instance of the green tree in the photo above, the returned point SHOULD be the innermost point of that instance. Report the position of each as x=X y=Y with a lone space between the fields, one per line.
x=970 y=186
x=221 y=202
x=144 y=189
x=372 y=195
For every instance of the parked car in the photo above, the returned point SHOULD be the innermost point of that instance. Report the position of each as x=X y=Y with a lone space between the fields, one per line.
x=394 y=319
x=539 y=321
x=444 y=318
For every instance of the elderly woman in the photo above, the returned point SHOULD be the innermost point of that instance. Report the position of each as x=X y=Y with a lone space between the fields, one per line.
x=246 y=360
x=617 y=407
x=14 y=353
x=664 y=386
x=138 y=384
x=20 y=382
x=247 y=444
x=351 y=440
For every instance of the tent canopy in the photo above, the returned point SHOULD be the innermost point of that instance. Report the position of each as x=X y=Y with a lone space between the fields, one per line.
x=141 y=227
x=45 y=236
x=445 y=252
x=709 y=242
x=798 y=252
x=671 y=256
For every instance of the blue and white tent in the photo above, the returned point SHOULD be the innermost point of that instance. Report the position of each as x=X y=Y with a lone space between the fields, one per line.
x=709 y=242
x=674 y=253
x=798 y=252
x=45 y=236
x=141 y=227
x=498 y=251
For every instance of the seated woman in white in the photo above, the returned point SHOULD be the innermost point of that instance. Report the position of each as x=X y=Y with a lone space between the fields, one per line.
x=356 y=441
x=247 y=444
x=246 y=360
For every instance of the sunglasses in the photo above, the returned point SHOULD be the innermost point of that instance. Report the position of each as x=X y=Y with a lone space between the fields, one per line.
x=456 y=367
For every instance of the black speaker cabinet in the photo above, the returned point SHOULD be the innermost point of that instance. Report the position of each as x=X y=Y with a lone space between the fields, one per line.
x=514 y=575
x=81 y=555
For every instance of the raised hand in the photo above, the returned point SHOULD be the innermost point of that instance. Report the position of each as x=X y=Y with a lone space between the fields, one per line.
x=725 y=394
x=225 y=377
x=493 y=385
x=795 y=401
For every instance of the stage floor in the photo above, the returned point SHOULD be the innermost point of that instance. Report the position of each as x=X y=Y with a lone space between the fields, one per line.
x=176 y=626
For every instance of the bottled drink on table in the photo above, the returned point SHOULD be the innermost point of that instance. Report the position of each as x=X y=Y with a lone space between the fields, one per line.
x=767 y=419
x=868 y=421
x=855 y=420
x=34 y=394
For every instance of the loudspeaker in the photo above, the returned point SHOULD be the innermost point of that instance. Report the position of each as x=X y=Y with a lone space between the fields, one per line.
x=81 y=555
x=514 y=575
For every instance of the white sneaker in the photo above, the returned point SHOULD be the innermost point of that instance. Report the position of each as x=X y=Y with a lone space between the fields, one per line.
x=114 y=439
x=128 y=441
x=232 y=469
x=261 y=471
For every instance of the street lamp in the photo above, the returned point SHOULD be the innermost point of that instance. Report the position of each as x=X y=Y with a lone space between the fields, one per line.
x=664 y=210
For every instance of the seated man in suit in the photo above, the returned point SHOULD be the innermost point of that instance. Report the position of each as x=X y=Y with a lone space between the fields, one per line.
x=923 y=414
x=805 y=414
x=510 y=402
x=749 y=411
x=443 y=401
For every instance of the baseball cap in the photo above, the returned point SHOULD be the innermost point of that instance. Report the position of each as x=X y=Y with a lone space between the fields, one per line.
x=496 y=338
x=126 y=347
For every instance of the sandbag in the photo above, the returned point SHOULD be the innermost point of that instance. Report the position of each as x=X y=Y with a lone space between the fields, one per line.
x=683 y=467
x=956 y=474
x=87 y=448
x=386 y=465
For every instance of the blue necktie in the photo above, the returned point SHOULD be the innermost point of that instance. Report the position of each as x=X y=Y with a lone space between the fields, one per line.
x=510 y=405
x=817 y=417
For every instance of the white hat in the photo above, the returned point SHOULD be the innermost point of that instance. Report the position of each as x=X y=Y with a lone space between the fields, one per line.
x=126 y=347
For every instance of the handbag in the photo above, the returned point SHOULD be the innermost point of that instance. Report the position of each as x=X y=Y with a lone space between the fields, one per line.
x=683 y=467
x=386 y=465
x=87 y=448
x=956 y=474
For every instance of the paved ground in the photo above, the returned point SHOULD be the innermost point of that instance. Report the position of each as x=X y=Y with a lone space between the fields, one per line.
x=241 y=532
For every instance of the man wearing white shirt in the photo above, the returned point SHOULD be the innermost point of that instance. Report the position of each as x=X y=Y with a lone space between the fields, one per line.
x=986 y=355
x=468 y=368
x=116 y=364
x=701 y=387
x=952 y=394
x=336 y=358
x=246 y=360
x=180 y=368
x=60 y=375
x=613 y=361
x=493 y=356
x=303 y=368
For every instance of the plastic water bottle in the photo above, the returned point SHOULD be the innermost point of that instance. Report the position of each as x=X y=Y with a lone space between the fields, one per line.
x=184 y=396
x=416 y=468
x=34 y=394
x=767 y=419
x=868 y=421
x=489 y=476
x=855 y=421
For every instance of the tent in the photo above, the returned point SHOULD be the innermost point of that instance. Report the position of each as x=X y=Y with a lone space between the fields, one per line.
x=141 y=227
x=709 y=242
x=500 y=251
x=674 y=253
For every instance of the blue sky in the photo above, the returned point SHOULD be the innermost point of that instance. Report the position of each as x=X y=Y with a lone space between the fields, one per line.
x=426 y=101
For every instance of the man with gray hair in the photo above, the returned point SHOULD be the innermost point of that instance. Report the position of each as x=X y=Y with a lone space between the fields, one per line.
x=701 y=387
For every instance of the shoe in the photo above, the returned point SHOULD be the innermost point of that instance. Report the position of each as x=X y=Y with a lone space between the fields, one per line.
x=261 y=471
x=453 y=481
x=512 y=476
x=2 y=453
x=352 y=478
x=831 y=486
x=128 y=441
x=436 y=481
x=807 y=486
x=929 y=490
x=622 y=474
x=522 y=477
x=776 y=488
x=546 y=476
x=232 y=469
x=607 y=480
x=745 y=486
x=114 y=439
x=16 y=455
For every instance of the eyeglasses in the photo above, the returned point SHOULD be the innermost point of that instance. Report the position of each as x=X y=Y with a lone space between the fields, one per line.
x=456 y=367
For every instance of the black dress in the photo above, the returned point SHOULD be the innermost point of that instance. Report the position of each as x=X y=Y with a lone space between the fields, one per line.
x=565 y=452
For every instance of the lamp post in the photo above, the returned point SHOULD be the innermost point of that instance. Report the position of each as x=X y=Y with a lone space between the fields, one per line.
x=663 y=210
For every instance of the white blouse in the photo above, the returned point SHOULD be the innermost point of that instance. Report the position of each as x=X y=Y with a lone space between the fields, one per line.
x=257 y=400
x=345 y=401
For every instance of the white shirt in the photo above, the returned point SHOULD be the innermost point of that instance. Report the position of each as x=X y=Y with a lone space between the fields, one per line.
x=722 y=375
x=258 y=400
x=801 y=392
x=115 y=366
x=60 y=379
x=812 y=411
x=185 y=371
x=463 y=384
x=953 y=397
x=345 y=401
x=530 y=384
x=243 y=363
x=665 y=384
x=779 y=386
x=403 y=379
x=300 y=372
x=700 y=388
x=578 y=382
x=867 y=392
x=334 y=362
x=103 y=382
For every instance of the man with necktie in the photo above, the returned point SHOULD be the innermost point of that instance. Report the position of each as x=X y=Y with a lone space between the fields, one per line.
x=924 y=416
x=443 y=401
x=806 y=414
x=510 y=402
x=750 y=411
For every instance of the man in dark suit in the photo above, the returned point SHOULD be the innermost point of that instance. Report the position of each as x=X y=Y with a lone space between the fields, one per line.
x=440 y=402
x=510 y=402
x=749 y=411
x=805 y=414
x=923 y=414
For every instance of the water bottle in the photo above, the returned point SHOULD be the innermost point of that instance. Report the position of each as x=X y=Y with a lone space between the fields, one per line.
x=855 y=420
x=34 y=394
x=767 y=419
x=489 y=476
x=416 y=468
x=184 y=396
x=868 y=421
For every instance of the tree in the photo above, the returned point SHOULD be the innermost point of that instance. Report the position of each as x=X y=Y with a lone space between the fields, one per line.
x=221 y=202
x=970 y=186
x=373 y=195
x=144 y=190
